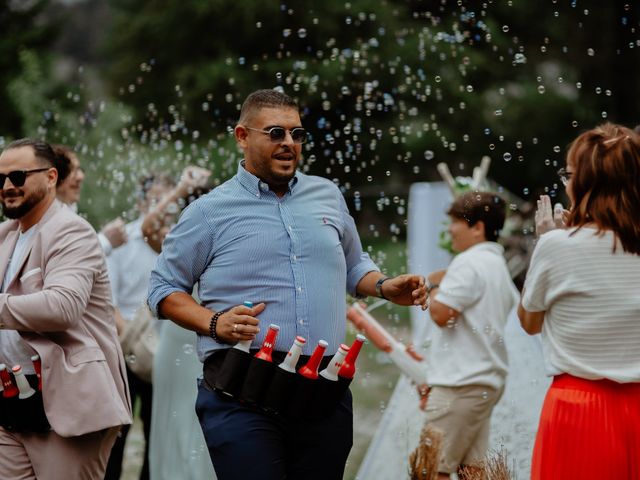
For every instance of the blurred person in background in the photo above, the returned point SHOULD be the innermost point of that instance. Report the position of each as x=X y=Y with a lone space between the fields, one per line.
x=470 y=301
x=581 y=293
x=129 y=267
x=177 y=448
x=68 y=191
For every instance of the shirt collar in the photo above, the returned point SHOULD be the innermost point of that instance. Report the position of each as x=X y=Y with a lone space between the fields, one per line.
x=254 y=185
x=494 y=247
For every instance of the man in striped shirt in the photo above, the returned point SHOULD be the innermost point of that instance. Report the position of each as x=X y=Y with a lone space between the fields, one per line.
x=286 y=242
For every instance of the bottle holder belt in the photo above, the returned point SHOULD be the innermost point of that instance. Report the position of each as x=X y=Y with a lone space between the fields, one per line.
x=265 y=386
x=24 y=415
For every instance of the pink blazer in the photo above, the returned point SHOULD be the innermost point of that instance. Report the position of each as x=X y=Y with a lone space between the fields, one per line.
x=60 y=302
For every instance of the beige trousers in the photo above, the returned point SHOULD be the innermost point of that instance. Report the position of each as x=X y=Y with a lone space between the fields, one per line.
x=463 y=415
x=48 y=456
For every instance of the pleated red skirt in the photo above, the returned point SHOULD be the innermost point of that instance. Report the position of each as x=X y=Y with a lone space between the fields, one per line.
x=589 y=429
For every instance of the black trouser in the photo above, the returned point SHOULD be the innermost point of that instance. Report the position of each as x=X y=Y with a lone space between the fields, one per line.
x=247 y=444
x=138 y=388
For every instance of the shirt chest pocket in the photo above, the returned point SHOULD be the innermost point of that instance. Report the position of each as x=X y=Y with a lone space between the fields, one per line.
x=331 y=230
x=88 y=354
x=32 y=281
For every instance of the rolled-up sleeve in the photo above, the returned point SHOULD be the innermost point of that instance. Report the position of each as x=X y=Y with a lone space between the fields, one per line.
x=537 y=296
x=461 y=286
x=358 y=262
x=186 y=252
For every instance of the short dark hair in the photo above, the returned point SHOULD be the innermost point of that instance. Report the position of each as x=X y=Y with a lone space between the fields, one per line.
x=46 y=154
x=266 y=98
x=487 y=207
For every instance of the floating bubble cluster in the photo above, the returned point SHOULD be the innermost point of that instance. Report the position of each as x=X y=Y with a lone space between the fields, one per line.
x=384 y=92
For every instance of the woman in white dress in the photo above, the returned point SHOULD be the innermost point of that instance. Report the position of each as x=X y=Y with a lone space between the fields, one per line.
x=177 y=448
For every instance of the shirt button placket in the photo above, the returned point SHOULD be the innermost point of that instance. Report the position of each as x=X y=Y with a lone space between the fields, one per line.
x=302 y=327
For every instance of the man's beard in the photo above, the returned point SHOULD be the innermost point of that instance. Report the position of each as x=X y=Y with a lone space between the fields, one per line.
x=30 y=201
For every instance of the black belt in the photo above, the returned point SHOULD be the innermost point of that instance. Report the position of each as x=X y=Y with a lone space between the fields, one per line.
x=263 y=385
x=214 y=361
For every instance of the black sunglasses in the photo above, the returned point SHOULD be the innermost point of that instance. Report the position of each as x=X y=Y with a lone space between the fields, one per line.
x=278 y=134
x=18 y=177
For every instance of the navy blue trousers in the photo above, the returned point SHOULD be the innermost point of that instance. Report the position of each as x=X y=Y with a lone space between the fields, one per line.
x=247 y=444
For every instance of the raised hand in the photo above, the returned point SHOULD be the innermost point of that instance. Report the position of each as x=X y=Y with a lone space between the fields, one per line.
x=192 y=178
x=547 y=219
x=115 y=232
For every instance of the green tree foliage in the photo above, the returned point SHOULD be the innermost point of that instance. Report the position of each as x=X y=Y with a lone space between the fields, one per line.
x=391 y=88
x=23 y=30
x=388 y=89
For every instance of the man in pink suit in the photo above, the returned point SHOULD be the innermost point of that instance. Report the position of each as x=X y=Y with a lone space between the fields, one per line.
x=55 y=302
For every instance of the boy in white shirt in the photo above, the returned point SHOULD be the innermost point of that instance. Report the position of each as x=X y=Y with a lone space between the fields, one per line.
x=470 y=302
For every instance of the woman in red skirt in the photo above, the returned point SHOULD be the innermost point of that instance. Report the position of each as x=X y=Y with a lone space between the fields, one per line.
x=582 y=292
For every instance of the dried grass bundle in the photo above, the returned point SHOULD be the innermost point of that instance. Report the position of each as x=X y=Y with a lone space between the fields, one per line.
x=497 y=467
x=424 y=460
x=494 y=467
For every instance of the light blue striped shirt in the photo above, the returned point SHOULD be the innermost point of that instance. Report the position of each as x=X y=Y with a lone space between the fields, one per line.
x=298 y=254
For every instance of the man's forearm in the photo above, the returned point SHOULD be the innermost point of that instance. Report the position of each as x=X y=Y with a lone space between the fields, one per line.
x=367 y=284
x=183 y=310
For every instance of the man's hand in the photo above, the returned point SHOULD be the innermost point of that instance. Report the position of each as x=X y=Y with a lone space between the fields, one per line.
x=239 y=323
x=115 y=232
x=192 y=178
x=545 y=218
x=406 y=289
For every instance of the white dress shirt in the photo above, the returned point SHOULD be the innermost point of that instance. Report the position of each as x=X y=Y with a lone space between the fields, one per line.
x=129 y=268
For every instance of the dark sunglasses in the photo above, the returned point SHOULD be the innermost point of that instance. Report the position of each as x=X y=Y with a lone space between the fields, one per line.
x=18 y=177
x=278 y=134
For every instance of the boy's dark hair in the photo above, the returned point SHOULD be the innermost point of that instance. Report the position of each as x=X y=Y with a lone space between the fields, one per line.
x=486 y=207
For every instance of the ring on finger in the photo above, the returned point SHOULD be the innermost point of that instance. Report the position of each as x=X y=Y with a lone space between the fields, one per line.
x=235 y=327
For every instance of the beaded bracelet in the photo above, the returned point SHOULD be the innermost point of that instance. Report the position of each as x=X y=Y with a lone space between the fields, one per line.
x=212 y=326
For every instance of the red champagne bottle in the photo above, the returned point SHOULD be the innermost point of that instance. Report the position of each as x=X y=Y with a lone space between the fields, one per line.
x=267 y=345
x=260 y=370
x=10 y=390
x=37 y=366
x=304 y=403
x=310 y=370
x=348 y=368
